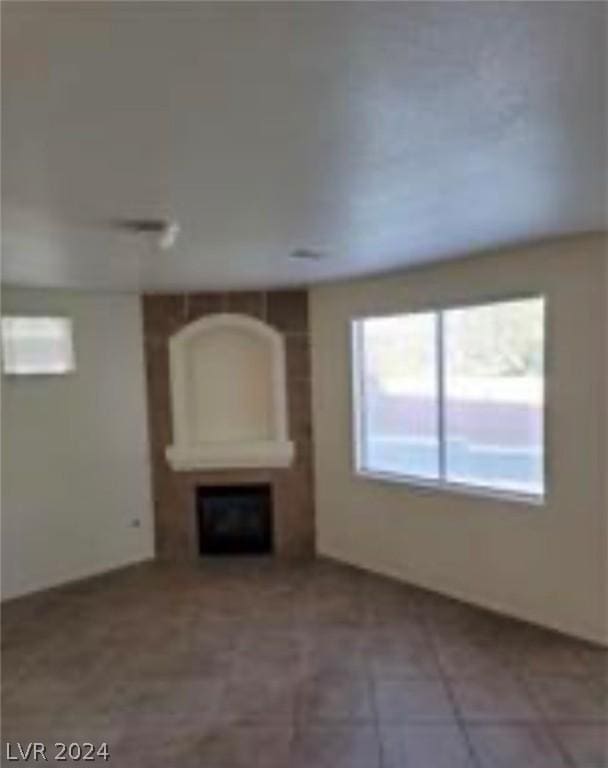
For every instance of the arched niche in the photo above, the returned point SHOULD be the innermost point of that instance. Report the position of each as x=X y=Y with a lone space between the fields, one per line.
x=228 y=395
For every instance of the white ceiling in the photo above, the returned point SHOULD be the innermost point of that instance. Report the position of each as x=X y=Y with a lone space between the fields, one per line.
x=381 y=134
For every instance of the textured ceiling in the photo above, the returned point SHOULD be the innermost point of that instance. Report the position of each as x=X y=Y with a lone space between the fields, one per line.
x=381 y=134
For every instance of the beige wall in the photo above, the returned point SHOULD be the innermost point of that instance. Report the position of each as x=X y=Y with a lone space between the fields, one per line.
x=547 y=564
x=75 y=467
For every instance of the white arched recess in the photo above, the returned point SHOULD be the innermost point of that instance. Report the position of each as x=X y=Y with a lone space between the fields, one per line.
x=228 y=395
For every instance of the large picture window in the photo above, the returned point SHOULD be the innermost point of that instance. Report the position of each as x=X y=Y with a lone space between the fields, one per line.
x=454 y=397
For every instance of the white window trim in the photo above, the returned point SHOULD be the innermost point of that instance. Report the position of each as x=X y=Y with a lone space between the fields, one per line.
x=440 y=484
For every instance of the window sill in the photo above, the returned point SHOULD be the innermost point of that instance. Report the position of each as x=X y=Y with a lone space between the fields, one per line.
x=459 y=489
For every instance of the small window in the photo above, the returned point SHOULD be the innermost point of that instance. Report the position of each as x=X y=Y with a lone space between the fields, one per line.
x=454 y=397
x=37 y=345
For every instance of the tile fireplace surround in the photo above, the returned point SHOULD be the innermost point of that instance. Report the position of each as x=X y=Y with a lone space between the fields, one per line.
x=174 y=493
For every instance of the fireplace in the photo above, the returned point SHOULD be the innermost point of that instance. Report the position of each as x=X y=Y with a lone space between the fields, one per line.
x=234 y=519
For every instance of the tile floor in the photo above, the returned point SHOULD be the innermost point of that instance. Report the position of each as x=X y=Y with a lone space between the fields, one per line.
x=263 y=664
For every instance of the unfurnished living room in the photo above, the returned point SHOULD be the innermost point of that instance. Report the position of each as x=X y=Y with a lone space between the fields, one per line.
x=304 y=351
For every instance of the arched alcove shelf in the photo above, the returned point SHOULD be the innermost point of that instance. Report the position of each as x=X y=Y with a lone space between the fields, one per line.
x=228 y=395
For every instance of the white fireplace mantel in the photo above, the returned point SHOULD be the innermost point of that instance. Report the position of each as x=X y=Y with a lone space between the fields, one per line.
x=228 y=395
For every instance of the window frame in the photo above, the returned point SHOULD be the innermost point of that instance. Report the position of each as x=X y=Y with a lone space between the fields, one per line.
x=68 y=370
x=441 y=483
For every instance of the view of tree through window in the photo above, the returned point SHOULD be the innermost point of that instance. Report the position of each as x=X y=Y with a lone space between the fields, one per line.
x=455 y=396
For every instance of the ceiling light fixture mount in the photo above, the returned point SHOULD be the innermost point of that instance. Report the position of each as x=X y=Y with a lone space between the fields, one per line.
x=168 y=236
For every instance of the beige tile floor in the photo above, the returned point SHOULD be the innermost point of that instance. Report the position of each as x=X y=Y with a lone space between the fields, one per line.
x=249 y=663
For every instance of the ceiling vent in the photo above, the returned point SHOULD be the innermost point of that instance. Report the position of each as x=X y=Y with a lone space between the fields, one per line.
x=163 y=231
x=304 y=254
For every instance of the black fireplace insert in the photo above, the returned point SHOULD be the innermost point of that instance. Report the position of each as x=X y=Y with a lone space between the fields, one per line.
x=234 y=519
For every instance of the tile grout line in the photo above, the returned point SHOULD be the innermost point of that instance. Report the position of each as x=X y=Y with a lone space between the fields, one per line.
x=545 y=722
x=372 y=693
x=461 y=723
